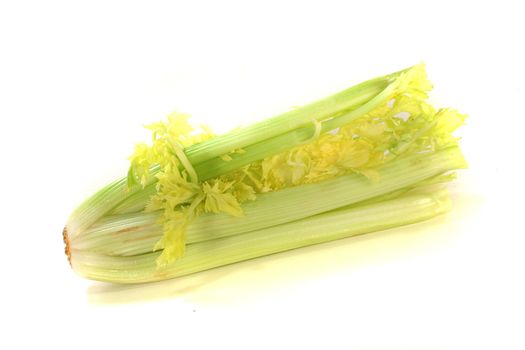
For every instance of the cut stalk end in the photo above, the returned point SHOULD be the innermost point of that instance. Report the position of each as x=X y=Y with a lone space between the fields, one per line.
x=67 y=249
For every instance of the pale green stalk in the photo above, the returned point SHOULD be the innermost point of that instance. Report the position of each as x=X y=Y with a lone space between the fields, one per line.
x=100 y=204
x=134 y=233
x=283 y=142
x=363 y=96
x=213 y=253
x=136 y=202
x=291 y=120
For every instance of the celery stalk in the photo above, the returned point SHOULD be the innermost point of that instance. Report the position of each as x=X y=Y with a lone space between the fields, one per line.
x=373 y=91
x=135 y=233
x=99 y=205
x=216 y=166
x=218 y=252
x=344 y=165
x=291 y=120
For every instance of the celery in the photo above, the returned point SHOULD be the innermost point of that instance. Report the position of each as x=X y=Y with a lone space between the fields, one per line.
x=218 y=252
x=193 y=200
x=113 y=194
x=115 y=234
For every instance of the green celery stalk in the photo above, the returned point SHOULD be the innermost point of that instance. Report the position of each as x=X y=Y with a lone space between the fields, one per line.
x=348 y=104
x=135 y=233
x=222 y=251
x=255 y=151
x=347 y=99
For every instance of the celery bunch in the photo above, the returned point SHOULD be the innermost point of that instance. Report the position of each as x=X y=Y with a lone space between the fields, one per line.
x=365 y=159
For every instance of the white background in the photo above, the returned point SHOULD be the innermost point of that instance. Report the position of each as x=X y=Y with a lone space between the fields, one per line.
x=79 y=79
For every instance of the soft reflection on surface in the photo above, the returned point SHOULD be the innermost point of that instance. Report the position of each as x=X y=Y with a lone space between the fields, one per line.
x=250 y=278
